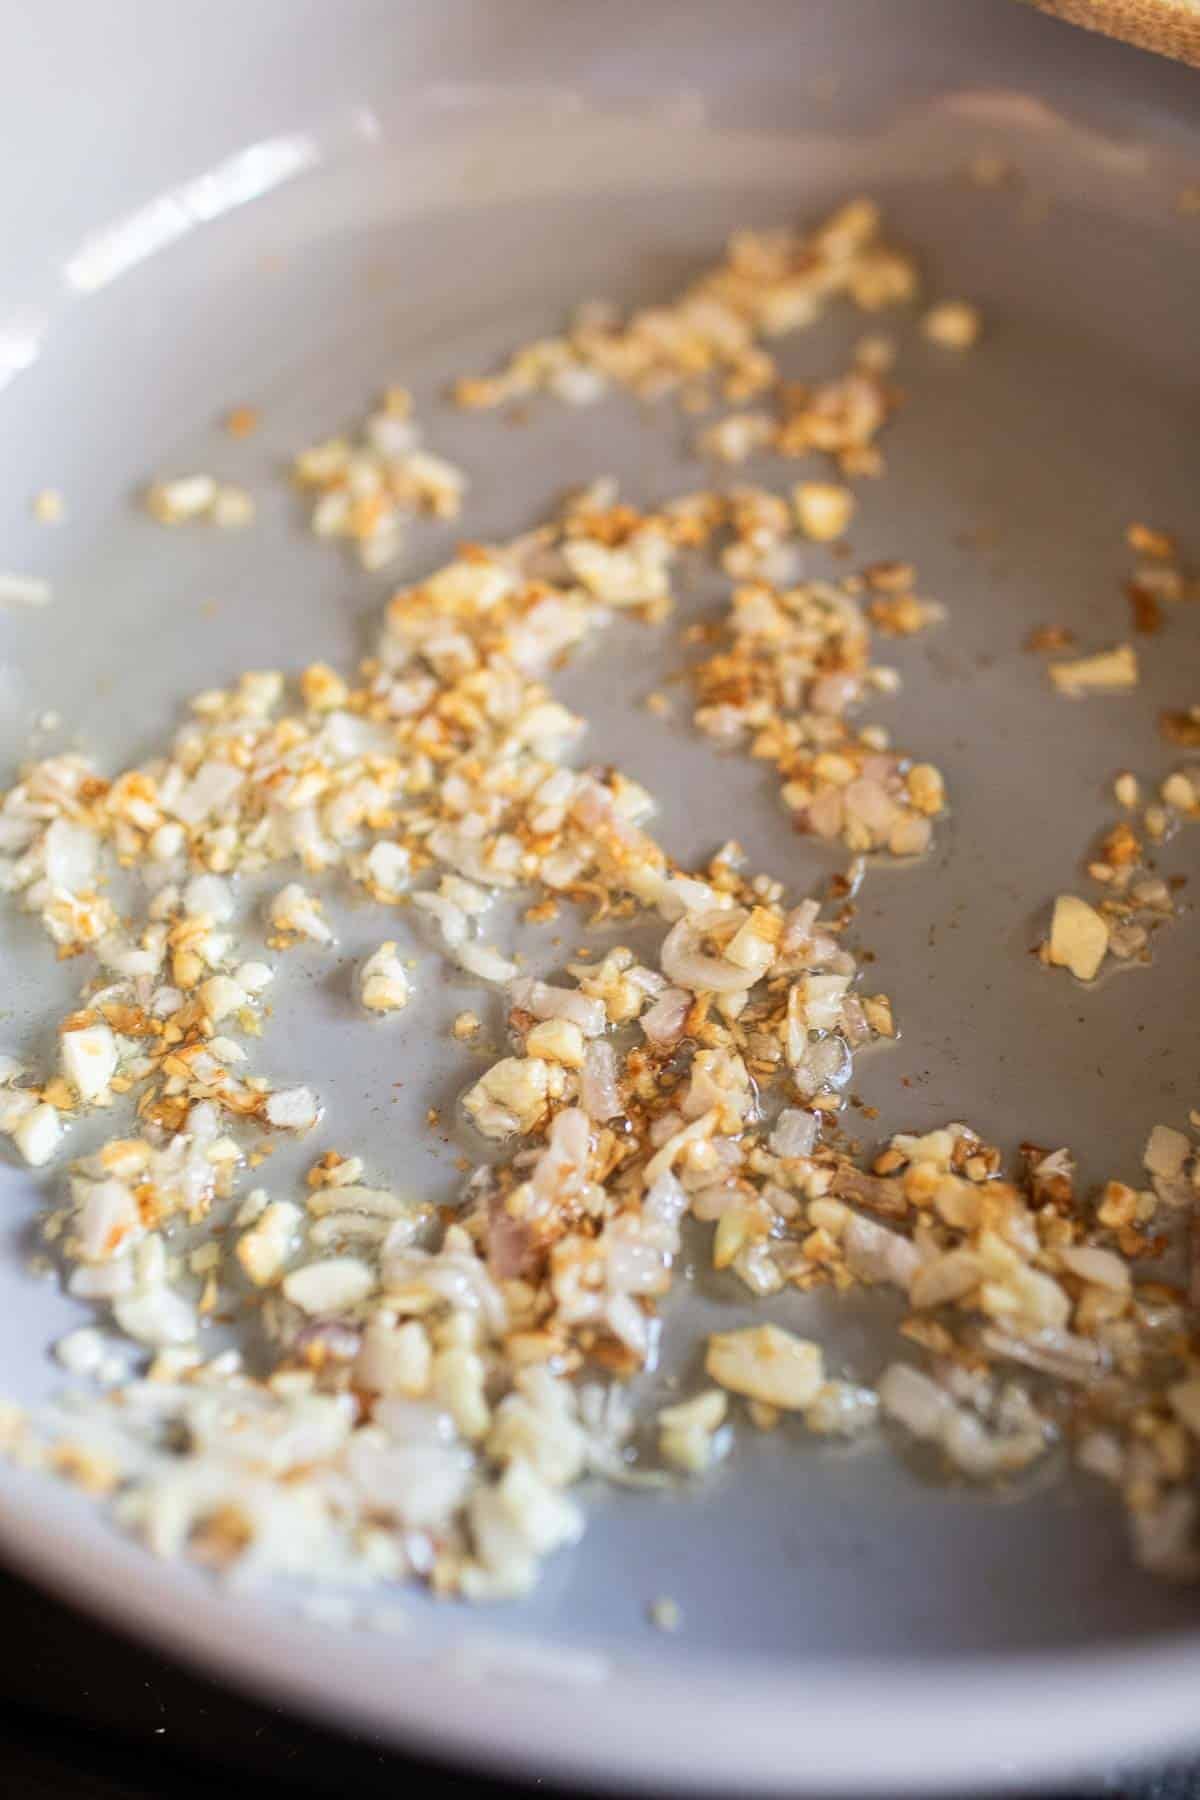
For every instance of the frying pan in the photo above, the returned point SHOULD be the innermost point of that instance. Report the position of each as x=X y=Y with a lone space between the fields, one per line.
x=292 y=204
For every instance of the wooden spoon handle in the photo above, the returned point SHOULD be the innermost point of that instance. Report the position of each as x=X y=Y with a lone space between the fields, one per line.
x=1172 y=27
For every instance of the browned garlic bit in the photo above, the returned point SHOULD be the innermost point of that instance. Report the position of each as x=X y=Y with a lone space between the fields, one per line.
x=953 y=324
x=709 y=342
x=1133 y=899
x=1182 y=727
x=383 y=982
x=369 y=487
x=1078 y=937
x=764 y=1363
x=823 y=509
x=1106 y=671
x=436 y=1381
x=790 y=666
x=840 y=418
x=186 y=499
x=1159 y=581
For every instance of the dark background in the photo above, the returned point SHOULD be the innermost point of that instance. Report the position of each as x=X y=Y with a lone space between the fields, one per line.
x=88 y=1715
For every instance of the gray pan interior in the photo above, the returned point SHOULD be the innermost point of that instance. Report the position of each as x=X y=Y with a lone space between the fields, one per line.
x=446 y=188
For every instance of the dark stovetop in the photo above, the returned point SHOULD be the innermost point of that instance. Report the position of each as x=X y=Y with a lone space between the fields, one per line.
x=87 y=1715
